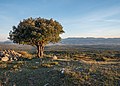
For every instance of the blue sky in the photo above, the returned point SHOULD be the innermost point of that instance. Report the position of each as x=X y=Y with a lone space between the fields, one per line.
x=80 y=18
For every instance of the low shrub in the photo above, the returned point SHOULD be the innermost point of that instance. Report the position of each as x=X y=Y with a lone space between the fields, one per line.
x=100 y=59
x=53 y=63
x=25 y=54
x=34 y=67
x=49 y=64
x=3 y=66
x=46 y=65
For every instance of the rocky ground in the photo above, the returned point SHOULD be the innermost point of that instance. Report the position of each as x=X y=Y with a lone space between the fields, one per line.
x=63 y=72
x=60 y=67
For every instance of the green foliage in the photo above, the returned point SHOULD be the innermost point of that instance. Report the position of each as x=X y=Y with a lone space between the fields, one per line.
x=33 y=30
x=38 y=32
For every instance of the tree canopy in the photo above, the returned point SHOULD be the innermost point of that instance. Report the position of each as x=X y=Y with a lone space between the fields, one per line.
x=36 y=31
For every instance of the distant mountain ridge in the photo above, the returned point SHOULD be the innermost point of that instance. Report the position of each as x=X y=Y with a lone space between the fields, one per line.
x=6 y=42
x=91 y=41
x=83 y=41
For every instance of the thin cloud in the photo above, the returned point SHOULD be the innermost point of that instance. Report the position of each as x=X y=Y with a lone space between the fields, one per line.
x=94 y=16
x=3 y=37
x=95 y=24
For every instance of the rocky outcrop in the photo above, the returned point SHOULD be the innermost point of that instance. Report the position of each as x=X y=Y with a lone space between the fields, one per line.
x=9 y=55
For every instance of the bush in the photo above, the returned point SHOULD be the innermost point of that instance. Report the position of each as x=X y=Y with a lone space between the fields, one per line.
x=100 y=59
x=34 y=67
x=3 y=66
x=50 y=64
x=53 y=63
x=46 y=65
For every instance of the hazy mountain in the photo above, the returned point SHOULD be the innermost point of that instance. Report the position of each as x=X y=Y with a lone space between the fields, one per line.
x=83 y=41
x=6 y=42
x=91 y=41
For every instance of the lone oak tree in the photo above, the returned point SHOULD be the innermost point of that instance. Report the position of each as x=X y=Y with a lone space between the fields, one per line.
x=36 y=32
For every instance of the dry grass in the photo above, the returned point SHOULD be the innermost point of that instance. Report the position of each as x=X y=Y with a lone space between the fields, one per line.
x=25 y=54
x=49 y=64
x=101 y=62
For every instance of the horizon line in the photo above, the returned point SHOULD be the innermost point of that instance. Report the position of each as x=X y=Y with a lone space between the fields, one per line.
x=77 y=37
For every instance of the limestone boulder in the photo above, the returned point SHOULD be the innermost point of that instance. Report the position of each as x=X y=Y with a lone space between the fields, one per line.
x=54 y=57
x=4 y=59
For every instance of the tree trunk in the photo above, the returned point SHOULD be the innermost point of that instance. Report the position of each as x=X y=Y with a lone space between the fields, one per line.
x=40 y=50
